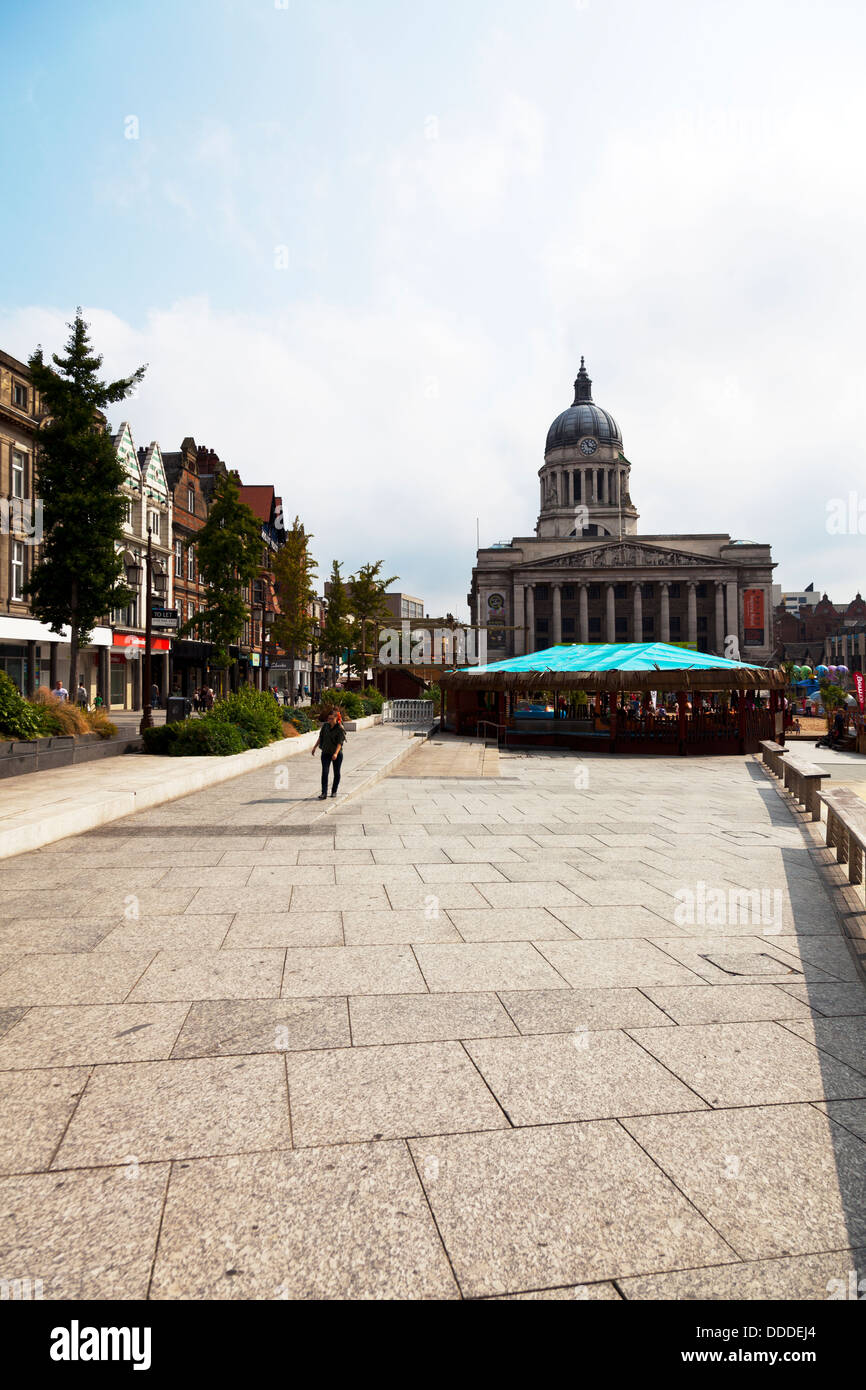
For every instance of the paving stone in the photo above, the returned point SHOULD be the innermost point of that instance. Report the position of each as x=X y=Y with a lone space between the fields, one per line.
x=405 y=898
x=582 y=1292
x=352 y=970
x=178 y=933
x=831 y=999
x=394 y=928
x=117 y=904
x=829 y=955
x=88 y=1235
x=478 y=966
x=813 y=1277
x=259 y=930
x=335 y=1223
x=510 y=924
x=844 y=1038
x=144 y=1111
x=610 y=923
x=369 y=897
x=221 y=1028
x=607 y=964
x=851 y=1114
x=287 y=876
x=553 y=1078
x=731 y=960
x=518 y=1209
x=85 y=978
x=427 y=1018
x=736 y=1004
x=749 y=1064
x=26 y=935
x=566 y=1011
x=347 y=1096
x=512 y=895
x=36 y=1109
x=83 y=1034
x=244 y=974
x=773 y=1181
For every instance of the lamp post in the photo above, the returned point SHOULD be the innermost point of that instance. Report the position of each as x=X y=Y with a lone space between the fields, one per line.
x=155 y=583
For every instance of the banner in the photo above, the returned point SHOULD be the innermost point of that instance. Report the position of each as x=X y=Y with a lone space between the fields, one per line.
x=860 y=684
x=753 y=617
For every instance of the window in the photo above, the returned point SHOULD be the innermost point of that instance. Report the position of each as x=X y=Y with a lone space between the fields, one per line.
x=541 y=625
x=620 y=591
x=675 y=624
x=648 y=590
x=258 y=592
x=19 y=395
x=595 y=591
x=648 y=626
x=542 y=591
x=702 y=623
x=190 y=564
x=17 y=474
x=568 y=624
x=568 y=592
x=674 y=591
x=153 y=522
x=17 y=569
x=245 y=593
x=178 y=559
x=701 y=590
x=622 y=624
x=190 y=612
x=246 y=634
x=595 y=624
x=127 y=519
x=190 y=500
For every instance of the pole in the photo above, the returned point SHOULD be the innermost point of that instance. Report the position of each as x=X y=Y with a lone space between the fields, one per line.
x=146 y=714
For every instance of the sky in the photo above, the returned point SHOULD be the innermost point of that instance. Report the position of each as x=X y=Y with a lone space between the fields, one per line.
x=362 y=247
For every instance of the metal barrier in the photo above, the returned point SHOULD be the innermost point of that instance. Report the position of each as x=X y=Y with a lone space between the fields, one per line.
x=417 y=714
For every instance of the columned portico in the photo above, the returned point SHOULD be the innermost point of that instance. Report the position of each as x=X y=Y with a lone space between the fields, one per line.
x=720 y=618
x=665 y=612
x=530 y=618
x=638 y=614
x=693 y=614
x=557 y=614
x=611 y=614
x=519 y=618
x=583 y=613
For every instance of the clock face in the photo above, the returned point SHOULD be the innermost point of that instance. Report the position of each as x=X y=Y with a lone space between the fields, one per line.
x=588 y=446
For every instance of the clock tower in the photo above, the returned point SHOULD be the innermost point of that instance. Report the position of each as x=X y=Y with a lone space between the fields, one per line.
x=585 y=475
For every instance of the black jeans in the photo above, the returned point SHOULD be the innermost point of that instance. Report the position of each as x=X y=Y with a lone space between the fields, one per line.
x=337 y=766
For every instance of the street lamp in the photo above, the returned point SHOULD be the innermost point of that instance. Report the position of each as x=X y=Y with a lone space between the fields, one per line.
x=155 y=584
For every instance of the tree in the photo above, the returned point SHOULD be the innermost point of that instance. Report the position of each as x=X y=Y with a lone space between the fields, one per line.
x=337 y=630
x=294 y=570
x=79 y=577
x=369 y=605
x=229 y=548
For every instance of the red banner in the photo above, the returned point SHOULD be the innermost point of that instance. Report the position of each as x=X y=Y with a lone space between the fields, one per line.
x=753 y=617
x=860 y=684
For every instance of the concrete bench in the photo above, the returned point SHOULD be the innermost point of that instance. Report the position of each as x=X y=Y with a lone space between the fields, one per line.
x=846 y=829
x=803 y=781
x=772 y=754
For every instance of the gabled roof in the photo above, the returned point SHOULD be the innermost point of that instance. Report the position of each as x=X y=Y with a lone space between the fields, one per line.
x=125 y=450
x=153 y=472
x=260 y=498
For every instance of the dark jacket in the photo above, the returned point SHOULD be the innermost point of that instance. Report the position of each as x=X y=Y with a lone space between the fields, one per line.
x=331 y=740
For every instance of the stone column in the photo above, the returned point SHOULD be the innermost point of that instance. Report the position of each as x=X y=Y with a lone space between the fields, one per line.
x=611 y=615
x=638 y=614
x=519 y=619
x=732 y=616
x=583 y=611
x=530 y=617
x=557 y=613
x=666 y=613
x=693 y=612
x=604 y=485
x=720 y=619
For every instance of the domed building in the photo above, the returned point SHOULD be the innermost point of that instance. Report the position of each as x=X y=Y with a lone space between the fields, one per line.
x=586 y=575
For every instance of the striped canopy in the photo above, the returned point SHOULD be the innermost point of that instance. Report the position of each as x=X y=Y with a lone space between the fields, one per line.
x=616 y=666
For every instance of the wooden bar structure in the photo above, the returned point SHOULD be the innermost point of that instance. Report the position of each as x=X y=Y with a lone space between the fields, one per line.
x=719 y=707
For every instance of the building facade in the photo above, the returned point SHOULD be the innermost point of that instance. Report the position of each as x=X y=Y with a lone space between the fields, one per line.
x=190 y=658
x=587 y=575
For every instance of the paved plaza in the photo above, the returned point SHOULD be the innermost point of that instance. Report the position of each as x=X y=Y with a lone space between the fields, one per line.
x=525 y=1025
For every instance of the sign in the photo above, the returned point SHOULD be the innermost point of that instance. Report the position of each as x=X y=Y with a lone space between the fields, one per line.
x=860 y=686
x=133 y=644
x=753 y=617
x=164 y=618
x=254 y=659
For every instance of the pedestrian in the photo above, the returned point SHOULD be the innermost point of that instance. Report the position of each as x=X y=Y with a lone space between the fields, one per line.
x=98 y=703
x=81 y=696
x=60 y=692
x=331 y=738
x=209 y=698
x=154 y=696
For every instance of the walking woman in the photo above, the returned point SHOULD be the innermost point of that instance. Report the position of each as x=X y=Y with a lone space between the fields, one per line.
x=332 y=736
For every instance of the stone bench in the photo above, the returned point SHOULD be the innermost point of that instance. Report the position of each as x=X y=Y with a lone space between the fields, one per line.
x=846 y=828
x=803 y=781
x=772 y=754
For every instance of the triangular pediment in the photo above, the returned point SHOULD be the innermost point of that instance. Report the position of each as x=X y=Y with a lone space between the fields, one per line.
x=153 y=469
x=627 y=554
x=125 y=450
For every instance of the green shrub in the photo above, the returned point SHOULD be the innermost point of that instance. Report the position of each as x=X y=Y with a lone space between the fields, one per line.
x=300 y=720
x=375 y=699
x=255 y=712
x=206 y=737
x=351 y=704
x=18 y=718
x=160 y=738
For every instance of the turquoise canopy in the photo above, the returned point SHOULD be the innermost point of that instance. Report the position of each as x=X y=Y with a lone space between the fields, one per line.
x=620 y=666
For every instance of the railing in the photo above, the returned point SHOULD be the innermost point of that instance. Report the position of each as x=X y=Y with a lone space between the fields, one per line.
x=415 y=713
x=498 y=730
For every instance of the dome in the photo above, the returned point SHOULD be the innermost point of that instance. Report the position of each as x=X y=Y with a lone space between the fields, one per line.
x=582 y=418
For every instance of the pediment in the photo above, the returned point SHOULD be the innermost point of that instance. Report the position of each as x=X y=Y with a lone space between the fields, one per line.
x=628 y=554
